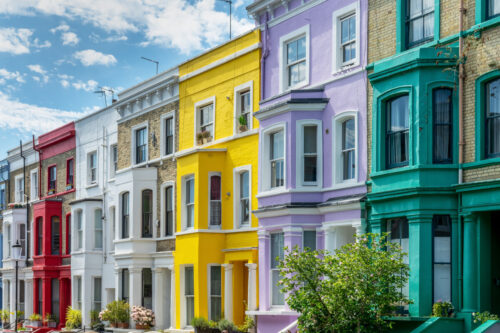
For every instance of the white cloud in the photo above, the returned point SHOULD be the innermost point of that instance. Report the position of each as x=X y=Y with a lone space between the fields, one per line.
x=61 y=27
x=65 y=83
x=6 y=75
x=92 y=57
x=184 y=25
x=39 y=70
x=90 y=85
x=28 y=118
x=70 y=38
x=18 y=41
x=113 y=38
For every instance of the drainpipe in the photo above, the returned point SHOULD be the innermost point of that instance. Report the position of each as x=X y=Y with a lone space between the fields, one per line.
x=104 y=189
x=461 y=76
x=265 y=53
x=39 y=169
x=27 y=248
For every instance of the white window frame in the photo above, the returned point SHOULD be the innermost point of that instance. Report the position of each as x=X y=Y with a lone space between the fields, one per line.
x=210 y=174
x=283 y=72
x=91 y=181
x=34 y=185
x=197 y=106
x=247 y=86
x=95 y=230
x=303 y=237
x=163 y=137
x=79 y=246
x=184 y=323
x=8 y=228
x=133 y=142
x=265 y=148
x=236 y=197
x=338 y=15
x=19 y=189
x=337 y=148
x=209 y=288
x=79 y=291
x=183 y=202
x=93 y=293
x=274 y=306
x=112 y=162
x=299 y=150
x=164 y=209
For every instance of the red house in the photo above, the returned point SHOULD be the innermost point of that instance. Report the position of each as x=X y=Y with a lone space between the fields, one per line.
x=51 y=223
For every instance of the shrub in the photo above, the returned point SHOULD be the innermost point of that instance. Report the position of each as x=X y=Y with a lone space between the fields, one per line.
x=442 y=309
x=226 y=325
x=142 y=316
x=483 y=317
x=200 y=323
x=116 y=312
x=35 y=317
x=73 y=318
x=5 y=315
x=248 y=324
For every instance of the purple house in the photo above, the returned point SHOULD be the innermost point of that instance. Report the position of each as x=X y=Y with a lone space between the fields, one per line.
x=313 y=142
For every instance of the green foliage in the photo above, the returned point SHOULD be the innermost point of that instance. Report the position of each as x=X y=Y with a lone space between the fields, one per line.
x=225 y=324
x=116 y=312
x=349 y=290
x=442 y=309
x=5 y=315
x=248 y=324
x=49 y=317
x=242 y=120
x=20 y=315
x=483 y=317
x=212 y=324
x=200 y=323
x=35 y=317
x=73 y=318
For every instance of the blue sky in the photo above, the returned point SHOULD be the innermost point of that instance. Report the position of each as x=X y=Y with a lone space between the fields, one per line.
x=55 y=53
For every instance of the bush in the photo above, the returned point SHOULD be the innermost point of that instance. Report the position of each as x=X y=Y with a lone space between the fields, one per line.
x=226 y=325
x=248 y=324
x=73 y=318
x=484 y=316
x=116 y=312
x=200 y=323
x=35 y=317
x=442 y=309
x=142 y=316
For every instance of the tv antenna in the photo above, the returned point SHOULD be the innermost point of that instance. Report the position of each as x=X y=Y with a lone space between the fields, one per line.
x=103 y=91
x=230 y=2
x=154 y=61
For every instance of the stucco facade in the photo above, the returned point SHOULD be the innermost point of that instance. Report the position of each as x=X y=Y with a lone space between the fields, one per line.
x=216 y=237
x=310 y=192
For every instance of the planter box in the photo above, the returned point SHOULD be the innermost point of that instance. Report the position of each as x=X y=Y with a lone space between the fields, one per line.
x=207 y=330
x=51 y=324
x=36 y=323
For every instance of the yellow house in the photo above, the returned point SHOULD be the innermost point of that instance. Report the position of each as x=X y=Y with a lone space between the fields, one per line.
x=216 y=240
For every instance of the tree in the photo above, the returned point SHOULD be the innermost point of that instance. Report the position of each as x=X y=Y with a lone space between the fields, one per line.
x=349 y=290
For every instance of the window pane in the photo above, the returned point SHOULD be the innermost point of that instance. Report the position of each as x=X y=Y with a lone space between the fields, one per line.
x=352 y=27
x=399 y=115
x=125 y=215
x=215 y=292
x=348 y=138
x=278 y=298
x=494 y=8
x=429 y=25
x=169 y=213
x=415 y=7
x=190 y=191
x=493 y=98
x=55 y=299
x=291 y=52
x=301 y=48
x=215 y=188
x=442 y=114
x=244 y=185
x=98 y=228
x=442 y=282
x=277 y=145
x=97 y=294
x=310 y=168
x=244 y=198
x=55 y=235
x=310 y=139
x=147 y=213
x=310 y=239
x=277 y=245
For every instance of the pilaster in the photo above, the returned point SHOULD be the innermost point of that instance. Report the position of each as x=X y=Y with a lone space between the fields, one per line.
x=228 y=291
x=252 y=286
x=470 y=267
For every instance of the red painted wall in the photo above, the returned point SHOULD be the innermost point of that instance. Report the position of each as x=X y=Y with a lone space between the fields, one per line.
x=57 y=141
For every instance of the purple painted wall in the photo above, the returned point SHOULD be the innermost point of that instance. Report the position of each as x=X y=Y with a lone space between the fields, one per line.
x=345 y=90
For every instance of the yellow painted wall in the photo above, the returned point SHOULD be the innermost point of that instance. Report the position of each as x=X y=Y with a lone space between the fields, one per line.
x=201 y=248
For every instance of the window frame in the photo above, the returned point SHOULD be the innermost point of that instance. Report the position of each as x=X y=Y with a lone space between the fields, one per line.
x=78 y=226
x=274 y=269
x=70 y=172
x=55 y=250
x=113 y=160
x=300 y=155
x=124 y=216
x=480 y=115
x=34 y=186
x=49 y=181
x=265 y=162
x=19 y=193
x=133 y=150
x=450 y=263
x=210 y=175
x=401 y=27
x=238 y=91
x=209 y=290
x=151 y=214
x=197 y=107
x=337 y=159
x=449 y=124
x=236 y=197
x=487 y=118
x=90 y=156
x=304 y=238
x=94 y=289
x=184 y=295
x=283 y=65
x=184 y=205
x=96 y=230
x=387 y=132
x=337 y=56
x=39 y=239
x=163 y=136
x=408 y=20
x=163 y=227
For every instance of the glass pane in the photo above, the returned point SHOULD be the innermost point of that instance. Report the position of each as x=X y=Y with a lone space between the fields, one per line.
x=494 y=8
x=215 y=213
x=352 y=27
x=428 y=5
x=55 y=235
x=277 y=245
x=293 y=75
x=442 y=145
x=429 y=25
x=277 y=296
x=189 y=281
x=442 y=282
x=244 y=185
x=55 y=298
x=310 y=168
x=442 y=249
x=493 y=125
x=301 y=48
x=348 y=139
x=302 y=71
x=399 y=114
x=349 y=164
x=415 y=7
x=215 y=308
x=291 y=52
x=493 y=98
x=277 y=145
x=215 y=188
x=215 y=280
x=147 y=288
x=190 y=191
x=344 y=26
x=416 y=30
x=310 y=139
x=189 y=309
x=310 y=239
x=277 y=173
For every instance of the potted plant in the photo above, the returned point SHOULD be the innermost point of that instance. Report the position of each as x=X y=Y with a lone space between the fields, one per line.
x=442 y=309
x=207 y=137
x=116 y=313
x=50 y=320
x=19 y=319
x=73 y=318
x=69 y=187
x=51 y=191
x=199 y=138
x=95 y=323
x=227 y=326
x=200 y=325
x=5 y=316
x=35 y=320
x=242 y=120
x=144 y=318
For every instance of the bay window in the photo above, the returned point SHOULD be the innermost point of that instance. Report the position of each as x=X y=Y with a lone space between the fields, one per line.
x=147 y=213
x=125 y=215
x=348 y=149
x=442 y=112
x=98 y=229
x=141 y=145
x=244 y=198
x=277 y=254
x=441 y=245
x=215 y=200
x=215 y=293
x=189 y=202
x=419 y=21
x=397 y=132
x=493 y=118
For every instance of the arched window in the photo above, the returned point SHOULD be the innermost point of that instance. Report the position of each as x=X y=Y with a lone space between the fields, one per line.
x=442 y=118
x=147 y=213
x=125 y=215
x=397 y=132
x=169 y=211
x=56 y=236
x=348 y=149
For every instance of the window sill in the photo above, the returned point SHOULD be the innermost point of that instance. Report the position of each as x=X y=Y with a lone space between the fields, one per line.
x=297 y=86
x=214 y=227
x=91 y=185
x=112 y=180
x=165 y=238
x=164 y=157
x=269 y=193
x=482 y=163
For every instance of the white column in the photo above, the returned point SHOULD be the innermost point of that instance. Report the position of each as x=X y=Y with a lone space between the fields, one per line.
x=118 y=289
x=4 y=294
x=12 y=286
x=135 y=282
x=86 y=298
x=330 y=239
x=172 y=297
x=359 y=229
x=228 y=291
x=252 y=286
x=158 y=296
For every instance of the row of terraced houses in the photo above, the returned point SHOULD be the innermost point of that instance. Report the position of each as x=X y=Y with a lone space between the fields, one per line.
x=331 y=118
